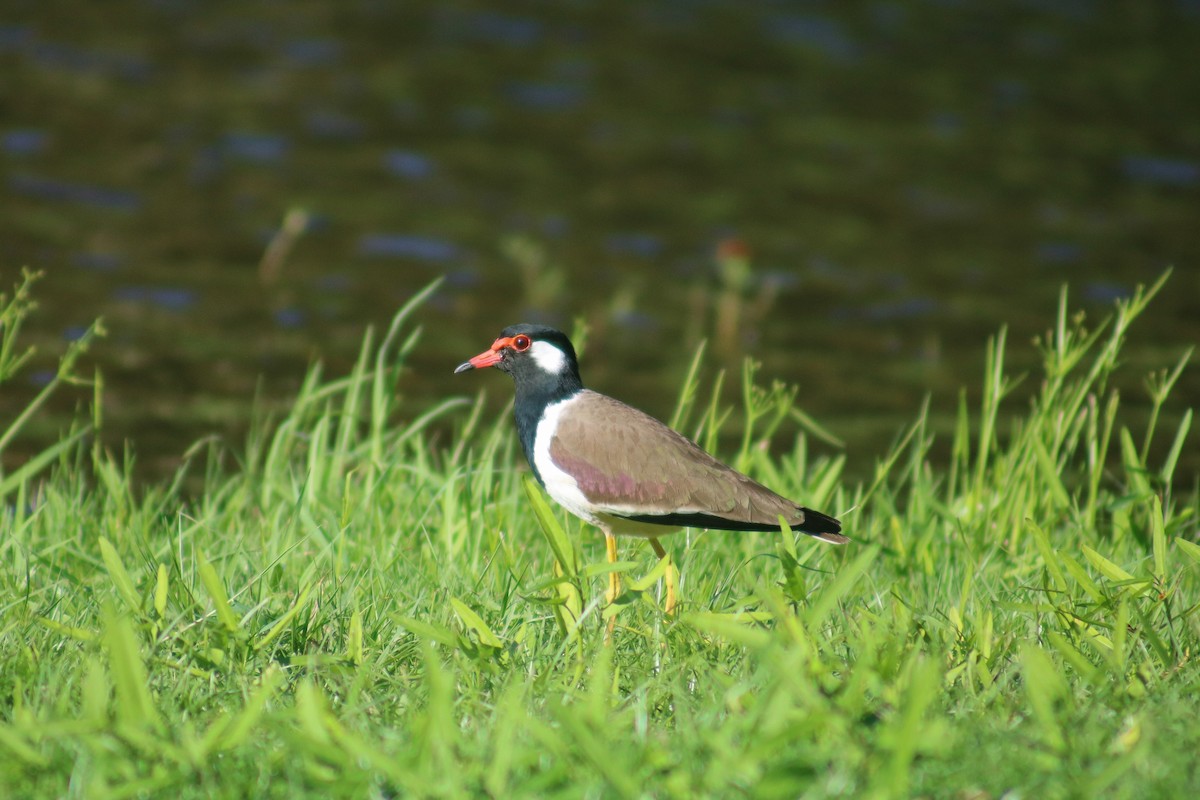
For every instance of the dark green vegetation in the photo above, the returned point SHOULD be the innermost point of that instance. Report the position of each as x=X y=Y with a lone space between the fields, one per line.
x=352 y=609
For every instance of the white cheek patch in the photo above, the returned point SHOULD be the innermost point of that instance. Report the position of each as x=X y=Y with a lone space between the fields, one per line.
x=548 y=357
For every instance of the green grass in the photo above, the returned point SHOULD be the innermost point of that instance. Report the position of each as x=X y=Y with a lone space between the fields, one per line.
x=351 y=610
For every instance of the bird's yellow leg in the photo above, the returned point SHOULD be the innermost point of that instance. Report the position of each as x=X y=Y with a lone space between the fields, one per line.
x=670 y=577
x=614 y=580
x=614 y=583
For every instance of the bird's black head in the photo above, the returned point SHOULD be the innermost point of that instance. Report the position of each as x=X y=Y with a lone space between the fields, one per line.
x=534 y=355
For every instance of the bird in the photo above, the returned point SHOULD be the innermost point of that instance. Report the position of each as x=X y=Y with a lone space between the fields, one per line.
x=620 y=469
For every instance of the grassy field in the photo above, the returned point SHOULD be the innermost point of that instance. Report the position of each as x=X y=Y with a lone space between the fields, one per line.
x=349 y=608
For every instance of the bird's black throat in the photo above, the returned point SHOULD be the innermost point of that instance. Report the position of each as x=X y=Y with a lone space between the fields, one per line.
x=535 y=390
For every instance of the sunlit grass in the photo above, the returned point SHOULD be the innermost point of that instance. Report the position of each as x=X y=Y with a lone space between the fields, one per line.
x=350 y=610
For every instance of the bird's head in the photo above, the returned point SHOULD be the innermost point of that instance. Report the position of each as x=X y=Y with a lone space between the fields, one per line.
x=529 y=353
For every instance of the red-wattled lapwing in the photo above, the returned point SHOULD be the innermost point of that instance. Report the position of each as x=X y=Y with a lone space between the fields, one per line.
x=619 y=468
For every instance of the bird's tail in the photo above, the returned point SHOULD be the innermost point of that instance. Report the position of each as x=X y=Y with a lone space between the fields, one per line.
x=822 y=526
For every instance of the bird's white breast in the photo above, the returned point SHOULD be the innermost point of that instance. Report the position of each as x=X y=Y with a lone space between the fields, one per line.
x=559 y=485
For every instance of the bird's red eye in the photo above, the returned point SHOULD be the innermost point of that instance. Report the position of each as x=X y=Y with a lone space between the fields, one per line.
x=521 y=343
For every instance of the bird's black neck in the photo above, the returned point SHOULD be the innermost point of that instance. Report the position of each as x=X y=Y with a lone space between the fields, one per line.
x=532 y=398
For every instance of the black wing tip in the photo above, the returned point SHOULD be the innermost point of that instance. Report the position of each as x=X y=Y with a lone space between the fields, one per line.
x=822 y=526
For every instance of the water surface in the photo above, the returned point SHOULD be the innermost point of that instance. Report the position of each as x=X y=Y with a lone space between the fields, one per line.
x=902 y=179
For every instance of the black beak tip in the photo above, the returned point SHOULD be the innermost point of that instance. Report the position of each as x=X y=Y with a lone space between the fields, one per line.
x=463 y=367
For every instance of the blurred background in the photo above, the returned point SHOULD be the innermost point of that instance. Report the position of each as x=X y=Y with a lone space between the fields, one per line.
x=856 y=194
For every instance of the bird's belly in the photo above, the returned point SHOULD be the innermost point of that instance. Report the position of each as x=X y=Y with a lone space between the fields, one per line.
x=563 y=489
x=628 y=527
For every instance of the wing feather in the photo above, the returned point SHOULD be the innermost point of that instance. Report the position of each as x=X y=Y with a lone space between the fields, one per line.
x=629 y=464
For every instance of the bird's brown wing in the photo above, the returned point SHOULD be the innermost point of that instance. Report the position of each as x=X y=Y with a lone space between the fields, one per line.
x=629 y=464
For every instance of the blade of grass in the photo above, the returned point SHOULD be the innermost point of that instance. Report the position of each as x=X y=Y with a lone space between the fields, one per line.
x=135 y=705
x=119 y=575
x=216 y=591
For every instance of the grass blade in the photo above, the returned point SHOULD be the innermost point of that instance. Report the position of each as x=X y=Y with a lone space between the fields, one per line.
x=837 y=588
x=473 y=622
x=135 y=706
x=120 y=577
x=216 y=591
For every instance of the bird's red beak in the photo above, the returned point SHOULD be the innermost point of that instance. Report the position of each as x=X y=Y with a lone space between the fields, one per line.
x=488 y=358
